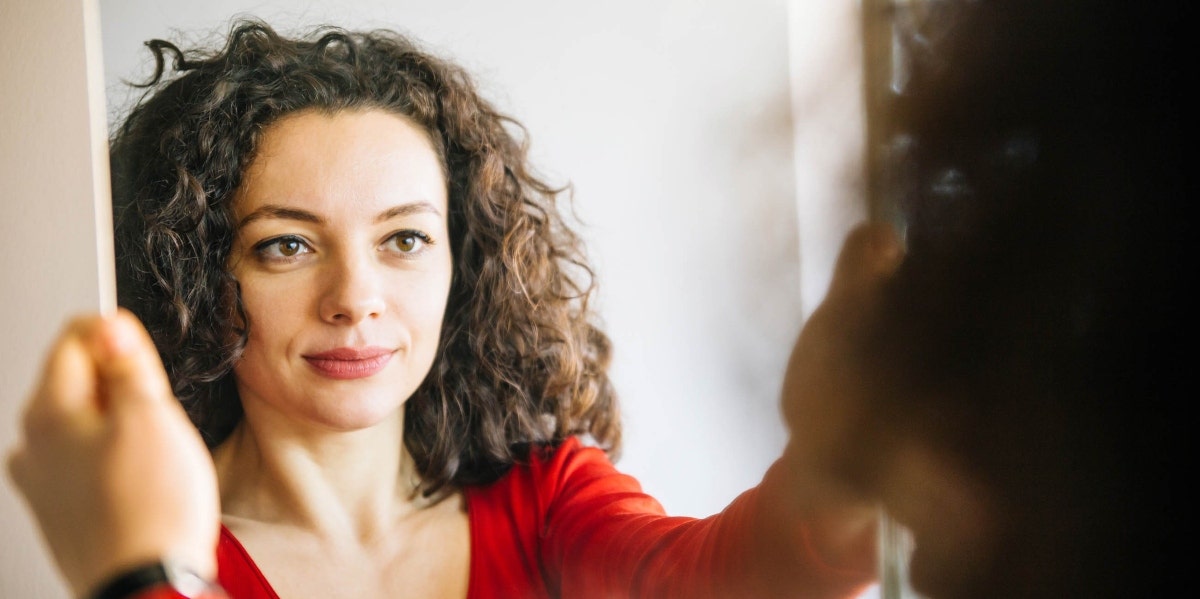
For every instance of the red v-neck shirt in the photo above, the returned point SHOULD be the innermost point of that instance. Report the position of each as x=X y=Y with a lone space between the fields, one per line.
x=567 y=524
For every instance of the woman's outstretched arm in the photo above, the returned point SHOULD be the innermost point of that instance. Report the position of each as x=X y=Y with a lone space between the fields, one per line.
x=582 y=529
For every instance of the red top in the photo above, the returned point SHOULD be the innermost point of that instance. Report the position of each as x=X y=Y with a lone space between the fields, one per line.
x=567 y=524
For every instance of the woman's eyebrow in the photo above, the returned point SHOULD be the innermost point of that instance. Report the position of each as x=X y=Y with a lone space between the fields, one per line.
x=286 y=213
x=405 y=210
x=281 y=212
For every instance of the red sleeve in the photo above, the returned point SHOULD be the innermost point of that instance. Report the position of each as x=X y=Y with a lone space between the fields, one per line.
x=602 y=537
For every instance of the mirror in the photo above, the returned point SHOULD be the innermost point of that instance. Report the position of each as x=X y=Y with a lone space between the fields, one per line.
x=673 y=123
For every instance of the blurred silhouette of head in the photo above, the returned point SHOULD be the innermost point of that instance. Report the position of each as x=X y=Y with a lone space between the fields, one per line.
x=1033 y=330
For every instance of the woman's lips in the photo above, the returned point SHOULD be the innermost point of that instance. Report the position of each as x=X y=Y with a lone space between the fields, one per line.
x=350 y=362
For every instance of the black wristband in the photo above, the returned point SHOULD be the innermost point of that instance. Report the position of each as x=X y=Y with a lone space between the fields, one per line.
x=154 y=574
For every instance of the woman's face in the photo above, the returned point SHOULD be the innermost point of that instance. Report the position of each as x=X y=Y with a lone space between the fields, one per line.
x=342 y=253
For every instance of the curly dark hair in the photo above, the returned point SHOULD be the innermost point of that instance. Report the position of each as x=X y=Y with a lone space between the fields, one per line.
x=519 y=362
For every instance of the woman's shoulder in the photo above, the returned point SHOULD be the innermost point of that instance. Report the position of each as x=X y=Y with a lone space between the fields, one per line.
x=559 y=491
x=565 y=457
x=554 y=474
x=551 y=465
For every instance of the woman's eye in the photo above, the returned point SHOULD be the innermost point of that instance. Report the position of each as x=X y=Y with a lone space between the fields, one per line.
x=282 y=248
x=409 y=242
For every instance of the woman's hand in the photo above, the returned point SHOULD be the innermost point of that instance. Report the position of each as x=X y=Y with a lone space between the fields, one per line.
x=825 y=390
x=827 y=383
x=112 y=469
x=844 y=452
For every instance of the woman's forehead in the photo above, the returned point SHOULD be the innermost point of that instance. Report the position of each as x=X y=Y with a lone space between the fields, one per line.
x=369 y=159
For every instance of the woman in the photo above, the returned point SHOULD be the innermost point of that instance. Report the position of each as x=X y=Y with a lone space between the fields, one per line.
x=1011 y=391
x=373 y=314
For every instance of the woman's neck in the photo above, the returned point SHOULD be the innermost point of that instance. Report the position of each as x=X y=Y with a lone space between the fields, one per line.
x=333 y=483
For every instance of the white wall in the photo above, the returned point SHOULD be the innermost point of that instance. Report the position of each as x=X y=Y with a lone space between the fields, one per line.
x=829 y=133
x=673 y=120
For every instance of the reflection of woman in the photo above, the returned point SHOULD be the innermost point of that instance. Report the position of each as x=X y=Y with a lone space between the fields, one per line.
x=371 y=310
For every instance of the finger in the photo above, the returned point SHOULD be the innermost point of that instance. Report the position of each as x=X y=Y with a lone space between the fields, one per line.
x=870 y=254
x=128 y=364
x=17 y=464
x=68 y=381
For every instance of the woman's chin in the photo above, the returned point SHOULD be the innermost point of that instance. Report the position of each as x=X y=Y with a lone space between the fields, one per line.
x=358 y=418
x=330 y=415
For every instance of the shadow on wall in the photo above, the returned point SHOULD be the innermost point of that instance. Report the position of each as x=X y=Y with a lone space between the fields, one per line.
x=767 y=250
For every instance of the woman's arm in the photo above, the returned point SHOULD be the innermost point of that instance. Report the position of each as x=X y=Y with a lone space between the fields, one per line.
x=600 y=535
x=806 y=530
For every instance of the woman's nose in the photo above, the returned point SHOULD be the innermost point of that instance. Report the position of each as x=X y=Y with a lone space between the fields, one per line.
x=353 y=291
